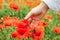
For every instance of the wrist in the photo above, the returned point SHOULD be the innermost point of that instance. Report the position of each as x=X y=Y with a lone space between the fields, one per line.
x=43 y=3
x=42 y=6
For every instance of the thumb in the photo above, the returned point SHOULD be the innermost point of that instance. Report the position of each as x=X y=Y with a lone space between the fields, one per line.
x=28 y=15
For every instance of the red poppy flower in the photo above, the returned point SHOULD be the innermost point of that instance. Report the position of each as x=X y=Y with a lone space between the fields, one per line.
x=11 y=1
x=0 y=1
x=7 y=23
x=14 y=6
x=21 y=31
x=59 y=17
x=22 y=24
x=14 y=34
x=1 y=26
x=31 y=35
x=43 y=23
x=39 y=31
x=22 y=28
x=1 y=20
x=59 y=13
x=0 y=5
x=56 y=29
x=48 y=17
x=35 y=3
x=25 y=21
x=6 y=17
x=15 y=21
x=29 y=2
x=14 y=18
x=36 y=35
x=37 y=38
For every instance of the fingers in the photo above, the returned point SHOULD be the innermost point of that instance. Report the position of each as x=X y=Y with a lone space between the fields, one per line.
x=35 y=19
x=28 y=15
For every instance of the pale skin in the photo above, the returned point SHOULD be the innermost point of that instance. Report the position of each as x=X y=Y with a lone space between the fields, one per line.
x=37 y=13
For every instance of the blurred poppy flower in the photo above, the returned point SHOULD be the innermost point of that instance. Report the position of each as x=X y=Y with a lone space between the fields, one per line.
x=59 y=17
x=37 y=38
x=6 y=17
x=43 y=23
x=11 y=1
x=37 y=33
x=14 y=6
x=1 y=20
x=56 y=29
x=0 y=1
x=22 y=28
x=1 y=26
x=22 y=23
x=14 y=34
x=31 y=35
x=29 y=3
x=0 y=5
x=59 y=13
x=25 y=21
x=15 y=21
x=21 y=31
x=35 y=3
x=7 y=23
x=39 y=30
x=48 y=17
x=15 y=18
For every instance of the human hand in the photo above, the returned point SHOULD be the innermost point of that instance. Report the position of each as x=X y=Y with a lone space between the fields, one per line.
x=37 y=13
x=40 y=10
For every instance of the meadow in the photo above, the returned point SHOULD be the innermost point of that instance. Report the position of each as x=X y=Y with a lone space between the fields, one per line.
x=12 y=23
